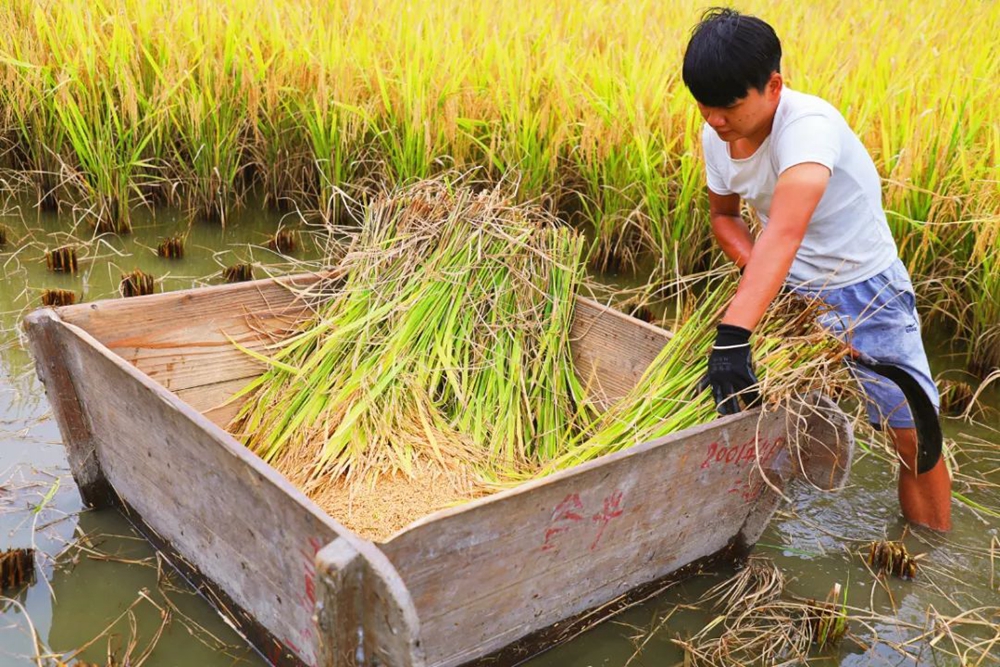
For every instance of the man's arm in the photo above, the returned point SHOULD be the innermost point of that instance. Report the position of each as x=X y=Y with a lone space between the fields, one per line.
x=730 y=229
x=796 y=195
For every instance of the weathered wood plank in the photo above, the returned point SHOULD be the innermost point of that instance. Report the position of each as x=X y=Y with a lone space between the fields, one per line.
x=215 y=400
x=363 y=612
x=50 y=365
x=185 y=339
x=611 y=350
x=495 y=570
x=232 y=516
x=167 y=316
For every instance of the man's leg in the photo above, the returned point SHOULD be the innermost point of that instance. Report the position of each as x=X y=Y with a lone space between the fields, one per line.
x=925 y=499
x=879 y=317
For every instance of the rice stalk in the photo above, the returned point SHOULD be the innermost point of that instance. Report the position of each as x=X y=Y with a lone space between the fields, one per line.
x=284 y=242
x=793 y=354
x=758 y=582
x=58 y=297
x=171 y=248
x=768 y=633
x=62 y=260
x=447 y=341
x=892 y=558
x=956 y=396
x=136 y=283
x=238 y=273
x=17 y=567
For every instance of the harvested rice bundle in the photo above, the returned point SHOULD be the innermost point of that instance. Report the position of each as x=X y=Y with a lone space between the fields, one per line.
x=447 y=341
x=794 y=356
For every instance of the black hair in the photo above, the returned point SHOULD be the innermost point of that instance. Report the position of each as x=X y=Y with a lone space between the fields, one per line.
x=728 y=54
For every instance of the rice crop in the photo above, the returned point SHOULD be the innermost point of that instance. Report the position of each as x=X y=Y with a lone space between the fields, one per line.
x=136 y=283
x=314 y=104
x=794 y=356
x=448 y=340
x=956 y=396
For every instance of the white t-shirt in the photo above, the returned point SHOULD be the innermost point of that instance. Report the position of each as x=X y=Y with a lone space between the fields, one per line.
x=848 y=239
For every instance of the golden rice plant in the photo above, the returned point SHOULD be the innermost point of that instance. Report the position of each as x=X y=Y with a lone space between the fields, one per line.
x=956 y=396
x=595 y=107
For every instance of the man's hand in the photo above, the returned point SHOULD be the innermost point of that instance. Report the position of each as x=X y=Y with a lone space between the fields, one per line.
x=730 y=370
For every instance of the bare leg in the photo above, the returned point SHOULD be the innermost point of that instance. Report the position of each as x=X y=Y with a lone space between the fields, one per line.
x=925 y=499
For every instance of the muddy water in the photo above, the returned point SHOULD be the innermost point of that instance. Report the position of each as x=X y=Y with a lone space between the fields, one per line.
x=99 y=584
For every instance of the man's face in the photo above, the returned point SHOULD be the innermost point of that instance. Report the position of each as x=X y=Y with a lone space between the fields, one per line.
x=748 y=117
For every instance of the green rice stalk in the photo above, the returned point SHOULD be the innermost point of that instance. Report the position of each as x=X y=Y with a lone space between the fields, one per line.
x=448 y=339
x=792 y=353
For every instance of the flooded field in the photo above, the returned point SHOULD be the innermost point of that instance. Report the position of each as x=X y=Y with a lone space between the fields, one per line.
x=101 y=591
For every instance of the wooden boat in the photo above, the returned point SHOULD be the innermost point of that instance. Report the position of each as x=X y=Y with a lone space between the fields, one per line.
x=136 y=386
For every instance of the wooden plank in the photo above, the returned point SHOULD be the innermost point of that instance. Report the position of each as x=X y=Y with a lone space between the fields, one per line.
x=232 y=516
x=185 y=339
x=497 y=569
x=50 y=365
x=363 y=611
x=166 y=316
x=214 y=400
x=611 y=350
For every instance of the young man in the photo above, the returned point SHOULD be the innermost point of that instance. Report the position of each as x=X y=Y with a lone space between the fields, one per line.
x=811 y=181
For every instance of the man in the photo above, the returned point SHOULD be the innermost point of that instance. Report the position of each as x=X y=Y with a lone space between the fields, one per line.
x=817 y=193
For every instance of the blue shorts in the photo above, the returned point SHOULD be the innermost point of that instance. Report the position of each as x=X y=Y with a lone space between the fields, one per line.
x=879 y=317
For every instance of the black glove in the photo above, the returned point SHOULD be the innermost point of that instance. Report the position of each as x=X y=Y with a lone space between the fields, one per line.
x=730 y=370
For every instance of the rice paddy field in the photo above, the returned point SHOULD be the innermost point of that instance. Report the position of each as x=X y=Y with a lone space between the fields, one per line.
x=164 y=145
